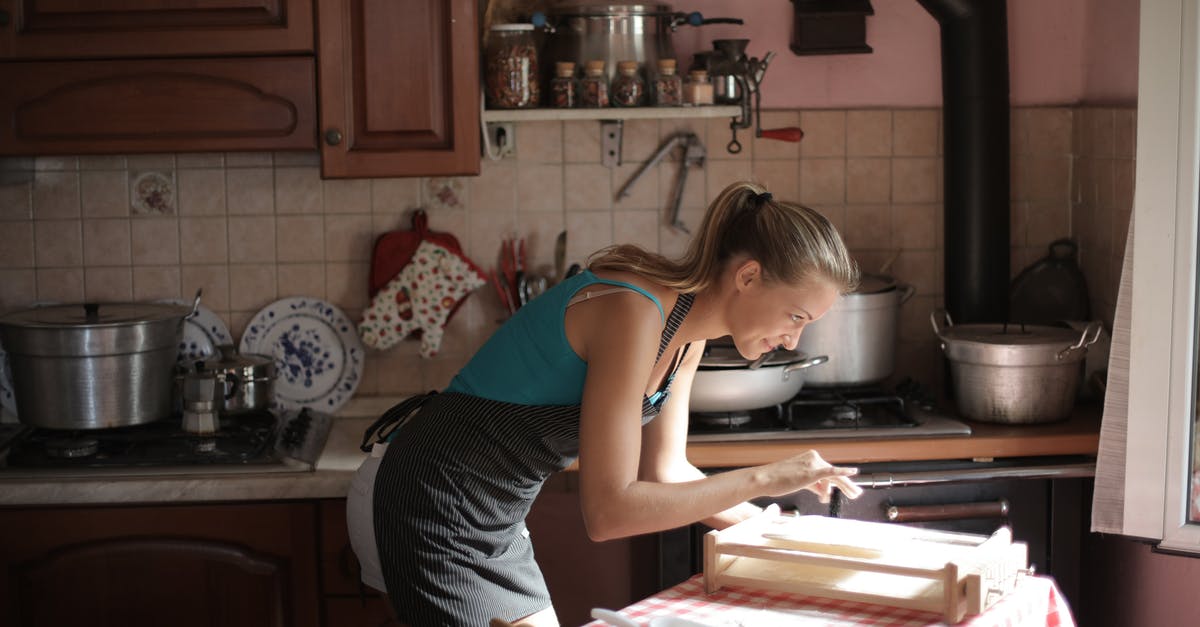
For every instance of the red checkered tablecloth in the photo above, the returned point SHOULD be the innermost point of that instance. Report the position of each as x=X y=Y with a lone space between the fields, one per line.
x=1035 y=601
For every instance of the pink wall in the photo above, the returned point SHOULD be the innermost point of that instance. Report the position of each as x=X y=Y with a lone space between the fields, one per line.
x=1060 y=52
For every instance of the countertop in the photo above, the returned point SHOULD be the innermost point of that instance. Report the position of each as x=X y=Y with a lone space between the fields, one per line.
x=1079 y=435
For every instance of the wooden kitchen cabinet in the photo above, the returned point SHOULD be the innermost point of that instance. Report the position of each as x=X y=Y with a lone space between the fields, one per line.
x=157 y=105
x=230 y=565
x=398 y=87
x=54 y=29
x=348 y=602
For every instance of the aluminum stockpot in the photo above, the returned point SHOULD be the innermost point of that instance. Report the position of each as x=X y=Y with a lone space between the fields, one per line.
x=724 y=381
x=93 y=366
x=858 y=333
x=1013 y=373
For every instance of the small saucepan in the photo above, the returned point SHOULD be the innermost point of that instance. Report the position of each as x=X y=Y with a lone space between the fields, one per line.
x=725 y=381
x=247 y=381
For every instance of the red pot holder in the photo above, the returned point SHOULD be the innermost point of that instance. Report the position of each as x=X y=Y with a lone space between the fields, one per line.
x=418 y=280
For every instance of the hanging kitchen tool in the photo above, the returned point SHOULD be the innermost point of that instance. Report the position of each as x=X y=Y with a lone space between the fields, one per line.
x=736 y=78
x=693 y=156
x=1051 y=290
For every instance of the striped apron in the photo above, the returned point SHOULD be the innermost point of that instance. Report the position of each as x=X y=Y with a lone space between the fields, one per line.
x=452 y=492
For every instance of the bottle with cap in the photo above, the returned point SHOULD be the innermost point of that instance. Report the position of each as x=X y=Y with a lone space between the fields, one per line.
x=667 y=90
x=628 y=89
x=697 y=90
x=593 y=91
x=564 y=89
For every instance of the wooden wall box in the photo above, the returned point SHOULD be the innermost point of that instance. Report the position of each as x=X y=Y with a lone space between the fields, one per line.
x=830 y=26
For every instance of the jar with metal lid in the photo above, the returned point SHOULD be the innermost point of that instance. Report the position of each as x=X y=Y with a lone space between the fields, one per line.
x=511 y=67
x=628 y=89
x=594 y=86
x=667 y=88
x=564 y=89
x=697 y=90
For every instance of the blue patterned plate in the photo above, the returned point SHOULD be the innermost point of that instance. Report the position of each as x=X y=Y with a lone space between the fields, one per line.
x=318 y=356
x=202 y=334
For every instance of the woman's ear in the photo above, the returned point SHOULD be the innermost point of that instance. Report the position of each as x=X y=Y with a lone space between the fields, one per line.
x=747 y=273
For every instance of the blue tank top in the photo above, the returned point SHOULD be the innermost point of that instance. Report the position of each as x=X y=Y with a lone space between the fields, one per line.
x=528 y=360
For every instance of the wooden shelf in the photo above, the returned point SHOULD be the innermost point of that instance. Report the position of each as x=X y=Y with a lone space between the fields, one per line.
x=611 y=113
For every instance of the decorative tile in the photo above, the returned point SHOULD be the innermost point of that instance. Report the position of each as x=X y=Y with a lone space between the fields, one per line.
x=445 y=193
x=152 y=193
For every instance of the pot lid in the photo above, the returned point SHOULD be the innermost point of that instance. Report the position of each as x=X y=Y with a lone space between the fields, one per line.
x=1011 y=335
x=874 y=284
x=94 y=315
x=721 y=355
x=246 y=365
x=592 y=8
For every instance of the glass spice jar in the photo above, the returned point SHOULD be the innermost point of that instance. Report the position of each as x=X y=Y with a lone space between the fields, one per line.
x=594 y=86
x=697 y=90
x=511 y=70
x=667 y=88
x=564 y=89
x=628 y=89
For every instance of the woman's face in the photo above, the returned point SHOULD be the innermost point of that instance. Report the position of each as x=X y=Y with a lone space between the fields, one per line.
x=765 y=315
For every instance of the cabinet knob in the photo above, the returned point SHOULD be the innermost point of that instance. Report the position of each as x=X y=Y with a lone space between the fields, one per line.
x=333 y=137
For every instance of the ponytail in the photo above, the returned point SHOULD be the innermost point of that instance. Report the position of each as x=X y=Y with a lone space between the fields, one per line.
x=790 y=241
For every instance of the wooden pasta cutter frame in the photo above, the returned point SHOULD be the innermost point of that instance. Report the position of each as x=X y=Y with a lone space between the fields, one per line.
x=957 y=574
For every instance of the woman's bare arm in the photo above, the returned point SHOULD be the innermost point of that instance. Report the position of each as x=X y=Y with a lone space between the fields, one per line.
x=621 y=344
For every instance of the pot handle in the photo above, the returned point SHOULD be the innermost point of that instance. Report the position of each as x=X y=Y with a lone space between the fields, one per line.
x=907 y=292
x=1093 y=330
x=235 y=383
x=195 y=304
x=807 y=363
x=933 y=319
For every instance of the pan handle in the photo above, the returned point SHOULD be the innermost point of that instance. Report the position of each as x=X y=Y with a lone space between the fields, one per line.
x=807 y=363
x=906 y=292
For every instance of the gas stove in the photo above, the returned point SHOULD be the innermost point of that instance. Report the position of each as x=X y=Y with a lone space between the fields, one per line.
x=254 y=442
x=837 y=412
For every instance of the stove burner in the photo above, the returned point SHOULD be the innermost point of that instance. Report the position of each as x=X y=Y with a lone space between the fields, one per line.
x=722 y=419
x=71 y=448
x=845 y=412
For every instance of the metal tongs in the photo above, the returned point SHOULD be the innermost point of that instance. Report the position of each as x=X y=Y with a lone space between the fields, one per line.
x=693 y=155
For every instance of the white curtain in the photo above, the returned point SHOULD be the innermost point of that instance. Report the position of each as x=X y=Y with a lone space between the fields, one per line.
x=1108 y=501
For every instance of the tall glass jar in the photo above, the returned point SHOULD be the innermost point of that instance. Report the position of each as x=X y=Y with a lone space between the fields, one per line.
x=511 y=67
x=564 y=89
x=628 y=89
x=667 y=90
x=594 y=86
x=697 y=90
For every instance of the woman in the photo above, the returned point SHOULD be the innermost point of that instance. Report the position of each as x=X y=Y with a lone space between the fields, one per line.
x=598 y=368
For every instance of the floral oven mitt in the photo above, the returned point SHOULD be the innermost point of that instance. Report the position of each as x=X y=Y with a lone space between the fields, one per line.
x=420 y=297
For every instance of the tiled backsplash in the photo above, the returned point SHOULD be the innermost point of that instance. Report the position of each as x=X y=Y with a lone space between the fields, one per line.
x=250 y=228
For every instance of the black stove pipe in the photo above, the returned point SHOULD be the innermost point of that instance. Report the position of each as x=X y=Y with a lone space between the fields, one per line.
x=975 y=111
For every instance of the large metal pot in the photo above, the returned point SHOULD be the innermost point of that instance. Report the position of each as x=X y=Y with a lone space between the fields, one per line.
x=246 y=380
x=1011 y=373
x=858 y=333
x=93 y=366
x=585 y=30
x=725 y=381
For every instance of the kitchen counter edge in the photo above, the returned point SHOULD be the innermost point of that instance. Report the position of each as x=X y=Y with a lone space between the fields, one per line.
x=1079 y=435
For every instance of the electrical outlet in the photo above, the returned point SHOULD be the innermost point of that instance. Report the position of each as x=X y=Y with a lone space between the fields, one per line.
x=503 y=138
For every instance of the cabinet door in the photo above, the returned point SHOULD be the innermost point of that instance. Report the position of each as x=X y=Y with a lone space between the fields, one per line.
x=180 y=566
x=54 y=29
x=179 y=105
x=399 y=87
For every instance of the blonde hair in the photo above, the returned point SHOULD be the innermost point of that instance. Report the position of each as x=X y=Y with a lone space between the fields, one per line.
x=792 y=243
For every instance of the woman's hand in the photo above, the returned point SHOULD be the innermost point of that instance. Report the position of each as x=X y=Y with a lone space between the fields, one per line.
x=807 y=471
